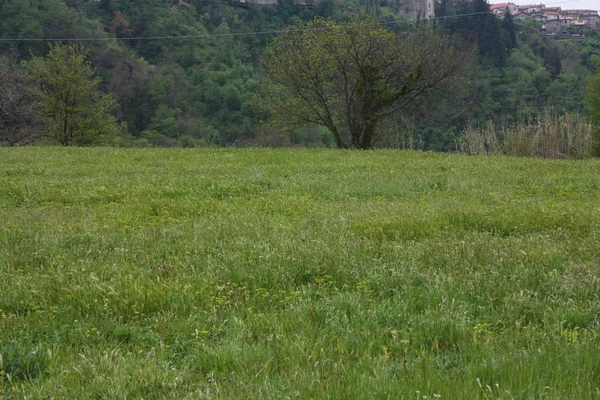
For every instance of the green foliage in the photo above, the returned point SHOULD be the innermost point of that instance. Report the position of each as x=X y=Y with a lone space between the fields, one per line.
x=17 y=122
x=472 y=21
x=349 y=78
x=508 y=25
x=208 y=84
x=318 y=274
x=43 y=19
x=69 y=104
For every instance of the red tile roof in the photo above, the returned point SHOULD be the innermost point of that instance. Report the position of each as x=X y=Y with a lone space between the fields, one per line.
x=499 y=5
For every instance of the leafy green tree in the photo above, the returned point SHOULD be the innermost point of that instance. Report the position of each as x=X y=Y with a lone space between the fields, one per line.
x=349 y=78
x=493 y=41
x=508 y=25
x=71 y=108
x=552 y=61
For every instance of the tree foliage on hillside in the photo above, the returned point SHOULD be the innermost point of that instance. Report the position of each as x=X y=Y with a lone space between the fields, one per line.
x=201 y=91
x=17 y=123
x=71 y=108
x=349 y=77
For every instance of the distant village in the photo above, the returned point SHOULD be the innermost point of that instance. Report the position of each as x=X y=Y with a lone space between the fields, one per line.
x=554 y=20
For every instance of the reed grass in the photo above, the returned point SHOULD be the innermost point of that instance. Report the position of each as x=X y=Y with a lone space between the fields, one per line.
x=546 y=137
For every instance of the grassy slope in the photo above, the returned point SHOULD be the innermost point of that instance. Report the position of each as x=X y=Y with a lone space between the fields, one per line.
x=265 y=274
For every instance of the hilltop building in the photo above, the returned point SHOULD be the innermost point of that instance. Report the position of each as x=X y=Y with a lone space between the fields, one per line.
x=554 y=20
x=501 y=8
x=416 y=9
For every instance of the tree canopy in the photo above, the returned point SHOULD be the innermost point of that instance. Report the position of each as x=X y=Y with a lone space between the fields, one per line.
x=200 y=89
x=349 y=77
x=17 y=125
x=71 y=108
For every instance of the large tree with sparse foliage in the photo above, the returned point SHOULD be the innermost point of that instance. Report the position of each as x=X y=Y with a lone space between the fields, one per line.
x=71 y=108
x=350 y=77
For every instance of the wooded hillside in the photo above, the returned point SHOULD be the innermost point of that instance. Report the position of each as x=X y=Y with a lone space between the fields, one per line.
x=187 y=73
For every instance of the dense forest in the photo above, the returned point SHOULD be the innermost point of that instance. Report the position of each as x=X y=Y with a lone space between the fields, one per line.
x=188 y=73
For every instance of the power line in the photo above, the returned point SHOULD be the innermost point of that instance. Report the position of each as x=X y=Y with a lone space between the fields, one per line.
x=214 y=35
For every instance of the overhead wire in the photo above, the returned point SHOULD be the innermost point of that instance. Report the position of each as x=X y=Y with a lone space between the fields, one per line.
x=208 y=35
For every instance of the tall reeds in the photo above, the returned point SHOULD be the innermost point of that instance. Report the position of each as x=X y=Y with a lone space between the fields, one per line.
x=548 y=136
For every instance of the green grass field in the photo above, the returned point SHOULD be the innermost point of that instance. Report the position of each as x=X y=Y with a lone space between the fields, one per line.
x=305 y=274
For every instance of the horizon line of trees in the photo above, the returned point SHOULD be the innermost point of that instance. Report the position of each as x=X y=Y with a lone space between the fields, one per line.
x=207 y=92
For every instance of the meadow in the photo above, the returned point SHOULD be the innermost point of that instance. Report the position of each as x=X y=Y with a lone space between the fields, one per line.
x=297 y=273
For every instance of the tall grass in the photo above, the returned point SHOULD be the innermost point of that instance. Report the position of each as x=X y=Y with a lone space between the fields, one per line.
x=295 y=273
x=546 y=137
